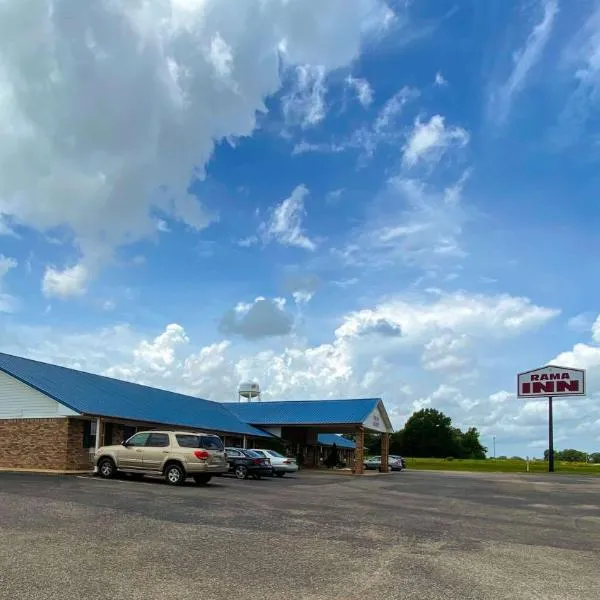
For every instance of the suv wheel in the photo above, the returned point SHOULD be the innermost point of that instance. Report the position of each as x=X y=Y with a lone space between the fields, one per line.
x=202 y=479
x=106 y=468
x=241 y=472
x=174 y=474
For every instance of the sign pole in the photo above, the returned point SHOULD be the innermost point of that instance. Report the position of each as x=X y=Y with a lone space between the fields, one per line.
x=550 y=437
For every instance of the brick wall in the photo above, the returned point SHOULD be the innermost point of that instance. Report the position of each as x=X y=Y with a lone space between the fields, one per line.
x=33 y=443
x=78 y=458
x=359 y=452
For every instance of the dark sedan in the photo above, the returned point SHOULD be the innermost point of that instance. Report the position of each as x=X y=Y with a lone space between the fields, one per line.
x=247 y=463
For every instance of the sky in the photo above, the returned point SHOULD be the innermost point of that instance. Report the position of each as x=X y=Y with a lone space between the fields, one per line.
x=334 y=199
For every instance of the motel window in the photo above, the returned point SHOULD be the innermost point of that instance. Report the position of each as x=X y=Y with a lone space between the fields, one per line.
x=89 y=434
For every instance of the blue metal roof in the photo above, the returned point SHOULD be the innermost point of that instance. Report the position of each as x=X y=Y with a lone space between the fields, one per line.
x=329 y=439
x=106 y=397
x=304 y=412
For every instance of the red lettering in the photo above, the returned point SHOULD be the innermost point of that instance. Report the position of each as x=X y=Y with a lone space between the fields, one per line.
x=535 y=378
x=544 y=377
x=567 y=386
x=555 y=376
x=526 y=388
x=565 y=376
x=543 y=388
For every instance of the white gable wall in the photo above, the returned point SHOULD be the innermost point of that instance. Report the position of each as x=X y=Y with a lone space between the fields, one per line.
x=377 y=421
x=20 y=401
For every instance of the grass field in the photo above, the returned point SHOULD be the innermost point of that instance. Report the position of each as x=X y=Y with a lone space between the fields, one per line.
x=500 y=466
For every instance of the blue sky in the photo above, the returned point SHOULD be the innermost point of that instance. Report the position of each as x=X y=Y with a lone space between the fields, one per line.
x=392 y=199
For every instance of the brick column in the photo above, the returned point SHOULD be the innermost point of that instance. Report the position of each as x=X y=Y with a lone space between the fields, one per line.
x=385 y=453
x=359 y=452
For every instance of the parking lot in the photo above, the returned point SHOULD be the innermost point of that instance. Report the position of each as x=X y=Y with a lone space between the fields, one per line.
x=314 y=536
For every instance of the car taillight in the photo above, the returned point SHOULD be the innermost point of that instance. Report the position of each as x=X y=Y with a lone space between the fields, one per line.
x=287 y=462
x=201 y=454
x=257 y=461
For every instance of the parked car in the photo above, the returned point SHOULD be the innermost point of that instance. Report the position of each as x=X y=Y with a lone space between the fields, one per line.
x=247 y=463
x=373 y=463
x=281 y=464
x=175 y=455
x=395 y=462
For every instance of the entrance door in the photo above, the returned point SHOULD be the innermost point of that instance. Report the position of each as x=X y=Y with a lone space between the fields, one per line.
x=155 y=451
x=130 y=456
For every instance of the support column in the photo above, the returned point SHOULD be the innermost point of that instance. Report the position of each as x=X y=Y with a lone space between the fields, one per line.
x=244 y=443
x=385 y=453
x=359 y=452
x=99 y=434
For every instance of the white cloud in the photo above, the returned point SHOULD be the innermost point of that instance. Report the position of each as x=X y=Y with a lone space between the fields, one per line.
x=439 y=80
x=162 y=226
x=259 y=319
x=186 y=75
x=363 y=90
x=109 y=305
x=582 y=58
x=306 y=105
x=524 y=59
x=429 y=141
x=71 y=281
x=385 y=129
x=425 y=232
x=285 y=225
x=8 y=303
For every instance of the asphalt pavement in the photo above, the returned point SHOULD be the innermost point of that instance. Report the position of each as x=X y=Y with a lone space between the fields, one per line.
x=407 y=535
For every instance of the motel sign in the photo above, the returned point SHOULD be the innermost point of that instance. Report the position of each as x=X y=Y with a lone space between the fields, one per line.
x=551 y=381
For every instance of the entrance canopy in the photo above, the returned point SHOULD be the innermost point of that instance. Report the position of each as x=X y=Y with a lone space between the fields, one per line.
x=334 y=416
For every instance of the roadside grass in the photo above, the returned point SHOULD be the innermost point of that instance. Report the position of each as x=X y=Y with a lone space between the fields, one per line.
x=500 y=466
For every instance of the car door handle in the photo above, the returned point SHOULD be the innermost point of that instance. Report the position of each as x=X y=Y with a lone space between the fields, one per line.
x=165 y=452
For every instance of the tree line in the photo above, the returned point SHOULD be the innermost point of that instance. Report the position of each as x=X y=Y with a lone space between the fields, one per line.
x=571 y=455
x=429 y=433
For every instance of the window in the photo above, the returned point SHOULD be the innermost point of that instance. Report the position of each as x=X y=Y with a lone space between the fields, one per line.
x=139 y=439
x=211 y=442
x=188 y=441
x=260 y=453
x=128 y=432
x=233 y=452
x=89 y=434
x=158 y=440
x=275 y=454
x=251 y=453
x=108 y=434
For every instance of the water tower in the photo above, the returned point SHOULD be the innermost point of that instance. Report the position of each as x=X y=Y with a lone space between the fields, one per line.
x=248 y=390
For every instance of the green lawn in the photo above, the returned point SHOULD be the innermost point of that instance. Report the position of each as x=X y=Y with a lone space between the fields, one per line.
x=501 y=466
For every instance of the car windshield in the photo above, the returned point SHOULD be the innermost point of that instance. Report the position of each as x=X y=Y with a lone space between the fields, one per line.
x=276 y=454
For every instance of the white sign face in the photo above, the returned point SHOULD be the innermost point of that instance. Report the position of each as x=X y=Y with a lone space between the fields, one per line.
x=375 y=421
x=551 y=381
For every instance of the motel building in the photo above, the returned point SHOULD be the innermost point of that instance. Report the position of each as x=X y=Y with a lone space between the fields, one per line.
x=53 y=419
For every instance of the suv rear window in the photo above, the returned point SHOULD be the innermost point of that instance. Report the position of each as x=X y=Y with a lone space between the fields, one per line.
x=208 y=442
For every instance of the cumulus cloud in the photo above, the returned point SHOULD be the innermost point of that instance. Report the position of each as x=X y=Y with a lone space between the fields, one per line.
x=259 y=319
x=525 y=59
x=8 y=303
x=440 y=80
x=285 y=225
x=302 y=287
x=429 y=141
x=127 y=100
x=65 y=283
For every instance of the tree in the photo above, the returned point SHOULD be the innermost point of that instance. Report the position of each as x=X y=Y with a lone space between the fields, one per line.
x=595 y=457
x=471 y=445
x=332 y=460
x=429 y=433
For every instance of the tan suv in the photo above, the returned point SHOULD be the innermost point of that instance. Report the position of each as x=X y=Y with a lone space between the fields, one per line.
x=173 y=454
